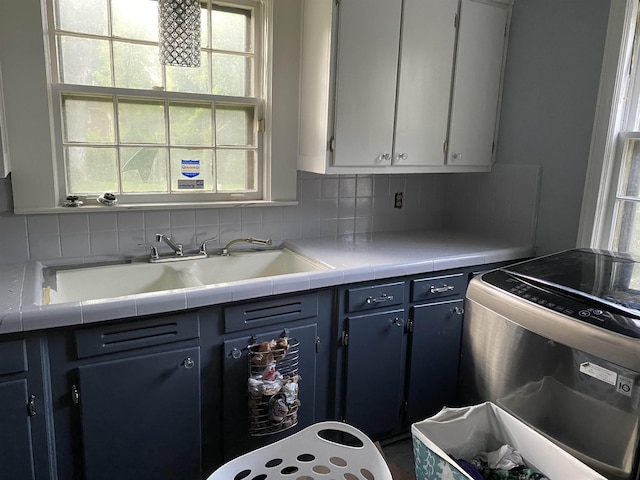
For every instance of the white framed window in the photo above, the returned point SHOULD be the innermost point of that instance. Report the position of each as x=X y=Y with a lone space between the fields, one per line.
x=36 y=100
x=610 y=217
x=147 y=132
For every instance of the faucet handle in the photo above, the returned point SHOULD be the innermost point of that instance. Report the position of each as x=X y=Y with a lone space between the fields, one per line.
x=203 y=245
x=154 y=250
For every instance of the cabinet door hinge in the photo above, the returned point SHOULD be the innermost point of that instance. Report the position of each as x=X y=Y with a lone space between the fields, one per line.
x=75 y=395
x=332 y=144
x=409 y=326
x=404 y=407
x=444 y=147
x=455 y=21
x=317 y=344
x=31 y=406
x=261 y=125
x=337 y=2
x=493 y=147
x=345 y=338
x=506 y=29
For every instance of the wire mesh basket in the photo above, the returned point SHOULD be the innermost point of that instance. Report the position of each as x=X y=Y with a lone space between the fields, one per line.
x=273 y=386
x=321 y=451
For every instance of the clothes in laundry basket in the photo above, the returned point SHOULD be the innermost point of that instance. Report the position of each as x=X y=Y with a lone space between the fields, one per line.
x=506 y=463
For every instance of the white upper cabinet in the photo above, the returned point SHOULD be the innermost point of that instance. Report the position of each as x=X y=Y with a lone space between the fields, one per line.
x=428 y=46
x=367 y=63
x=477 y=83
x=400 y=86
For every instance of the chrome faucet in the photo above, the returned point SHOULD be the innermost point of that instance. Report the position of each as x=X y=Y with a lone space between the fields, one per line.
x=256 y=241
x=176 y=247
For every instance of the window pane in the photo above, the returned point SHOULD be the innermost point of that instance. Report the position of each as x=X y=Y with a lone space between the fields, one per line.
x=144 y=169
x=82 y=16
x=191 y=170
x=231 y=75
x=236 y=170
x=189 y=79
x=190 y=124
x=630 y=183
x=84 y=61
x=91 y=170
x=136 y=66
x=231 y=29
x=235 y=126
x=627 y=228
x=141 y=121
x=135 y=19
x=88 y=120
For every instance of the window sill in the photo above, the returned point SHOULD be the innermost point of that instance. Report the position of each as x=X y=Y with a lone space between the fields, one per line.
x=91 y=208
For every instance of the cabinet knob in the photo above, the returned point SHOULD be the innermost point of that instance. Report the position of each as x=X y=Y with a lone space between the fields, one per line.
x=188 y=363
x=456 y=156
x=235 y=353
x=402 y=156
x=385 y=157
x=457 y=310
x=398 y=322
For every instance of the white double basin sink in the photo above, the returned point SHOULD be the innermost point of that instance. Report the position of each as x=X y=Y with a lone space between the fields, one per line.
x=91 y=282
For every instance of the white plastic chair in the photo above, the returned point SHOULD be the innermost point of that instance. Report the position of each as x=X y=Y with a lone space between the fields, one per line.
x=320 y=451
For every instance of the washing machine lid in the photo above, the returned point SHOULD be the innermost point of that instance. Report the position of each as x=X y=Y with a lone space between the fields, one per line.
x=594 y=286
x=597 y=275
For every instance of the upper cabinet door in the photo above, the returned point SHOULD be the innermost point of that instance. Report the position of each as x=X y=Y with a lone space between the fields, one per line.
x=478 y=76
x=367 y=65
x=426 y=63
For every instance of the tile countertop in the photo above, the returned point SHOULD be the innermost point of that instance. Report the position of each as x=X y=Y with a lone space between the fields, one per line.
x=350 y=258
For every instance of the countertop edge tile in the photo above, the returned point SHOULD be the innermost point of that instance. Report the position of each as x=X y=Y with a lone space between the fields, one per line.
x=11 y=322
x=209 y=295
x=245 y=290
x=56 y=316
x=326 y=278
x=291 y=283
x=108 y=309
x=161 y=302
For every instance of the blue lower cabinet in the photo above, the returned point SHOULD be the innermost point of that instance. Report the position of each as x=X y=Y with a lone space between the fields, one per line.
x=24 y=434
x=434 y=354
x=375 y=360
x=140 y=417
x=16 y=452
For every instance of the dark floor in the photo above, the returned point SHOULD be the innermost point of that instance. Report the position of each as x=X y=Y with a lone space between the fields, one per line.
x=399 y=450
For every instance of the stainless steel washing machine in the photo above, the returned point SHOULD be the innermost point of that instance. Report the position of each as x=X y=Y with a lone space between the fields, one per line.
x=556 y=342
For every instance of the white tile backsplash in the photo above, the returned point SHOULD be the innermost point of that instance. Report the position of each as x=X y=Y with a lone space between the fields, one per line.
x=503 y=201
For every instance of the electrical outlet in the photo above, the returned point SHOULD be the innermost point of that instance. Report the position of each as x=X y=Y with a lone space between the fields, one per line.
x=397 y=203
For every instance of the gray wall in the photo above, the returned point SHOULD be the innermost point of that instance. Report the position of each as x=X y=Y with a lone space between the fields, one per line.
x=549 y=100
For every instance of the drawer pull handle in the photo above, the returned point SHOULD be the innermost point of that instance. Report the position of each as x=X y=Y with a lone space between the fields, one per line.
x=442 y=289
x=381 y=299
x=187 y=363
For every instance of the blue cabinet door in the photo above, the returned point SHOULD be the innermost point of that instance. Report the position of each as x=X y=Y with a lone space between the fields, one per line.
x=434 y=358
x=16 y=452
x=375 y=371
x=237 y=436
x=140 y=417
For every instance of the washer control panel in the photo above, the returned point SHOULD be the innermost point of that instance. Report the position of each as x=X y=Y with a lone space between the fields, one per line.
x=564 y=303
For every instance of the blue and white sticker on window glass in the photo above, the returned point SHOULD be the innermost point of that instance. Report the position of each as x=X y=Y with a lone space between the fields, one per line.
x=191 y=170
